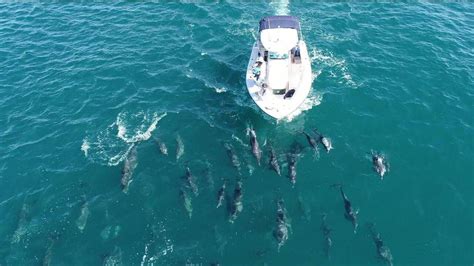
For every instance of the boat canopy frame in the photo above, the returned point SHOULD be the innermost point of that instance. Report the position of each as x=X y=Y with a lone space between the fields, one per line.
x=275 y=22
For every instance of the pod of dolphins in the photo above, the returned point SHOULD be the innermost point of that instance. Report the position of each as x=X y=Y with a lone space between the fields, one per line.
x=235 y=204
x=190 y=188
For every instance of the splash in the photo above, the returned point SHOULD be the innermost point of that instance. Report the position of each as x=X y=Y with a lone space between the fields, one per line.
x=85 y=146
x=158 y=247
x=315 y=75
x=221 y=90
x=115 y=160
x=281 y=7
x=115 y=258
x=144 y=258
x=308 y=103
x=337 y=67
x=138 y=133
x=113 y=144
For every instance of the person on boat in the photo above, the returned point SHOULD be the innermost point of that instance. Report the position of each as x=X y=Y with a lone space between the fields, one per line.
x=256 y=71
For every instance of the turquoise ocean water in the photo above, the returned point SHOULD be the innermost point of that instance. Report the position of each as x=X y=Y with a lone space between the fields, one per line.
x=82 y=85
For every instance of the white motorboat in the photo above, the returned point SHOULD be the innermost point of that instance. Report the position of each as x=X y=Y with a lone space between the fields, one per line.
x=279 y=71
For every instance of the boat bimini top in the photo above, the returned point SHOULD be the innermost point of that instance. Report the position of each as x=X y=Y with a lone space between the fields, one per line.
x=279 y=34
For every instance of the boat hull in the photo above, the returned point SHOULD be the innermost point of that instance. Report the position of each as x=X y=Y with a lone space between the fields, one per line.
x=278 y=106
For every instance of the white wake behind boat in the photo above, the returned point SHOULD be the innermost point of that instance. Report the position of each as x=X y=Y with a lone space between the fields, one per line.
x=279 y=71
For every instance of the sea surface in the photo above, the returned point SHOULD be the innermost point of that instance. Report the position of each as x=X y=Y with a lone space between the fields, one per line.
x=84 y=87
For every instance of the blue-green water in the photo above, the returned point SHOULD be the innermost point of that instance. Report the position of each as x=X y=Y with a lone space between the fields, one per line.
x=79 y=83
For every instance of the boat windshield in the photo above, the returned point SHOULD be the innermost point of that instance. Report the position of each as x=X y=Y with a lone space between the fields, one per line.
x=274 y=55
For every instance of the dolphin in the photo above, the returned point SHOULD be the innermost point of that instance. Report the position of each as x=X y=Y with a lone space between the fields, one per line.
x=255 y=147
x=129 y=166
x=208 y=174
x=113 y=258
x=274 y=161
x=221 y=195
x=237 y=204
x=292 y=168
x=46 y=261
x=303 y=208
x=311 y=141
x=382 y=251
x=179 y=147
x=22 y=226
x=82 y=220
x=186 y=202
x=282 y=225
x=350 y=214
x=327 y=235
x=327 y=143
x=380 y=164
x=233 y=157
x=190 y=180
x=162 y=147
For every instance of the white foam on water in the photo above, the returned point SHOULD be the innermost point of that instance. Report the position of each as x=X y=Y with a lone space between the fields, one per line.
x=113 y=144
x=315 y=75
x=139 y=134
x=115 y=160
x=165 y=246
x=144 y=255
x=325 y=59
x=115 y=258
x=220 y=90
x=85 y=146
x=281 y=7
x=308 y=104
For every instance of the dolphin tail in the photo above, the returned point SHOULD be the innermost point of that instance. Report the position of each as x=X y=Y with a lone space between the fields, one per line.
x=278 y=194
x=342 y=193
x=371 y=227
x=299 y=131
x=371 y=153
x=186 y=164
x=248 y=129
x=339 y=185
x=324 y=216
x=225 y=180
x=279 y=246
x=315 y=130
